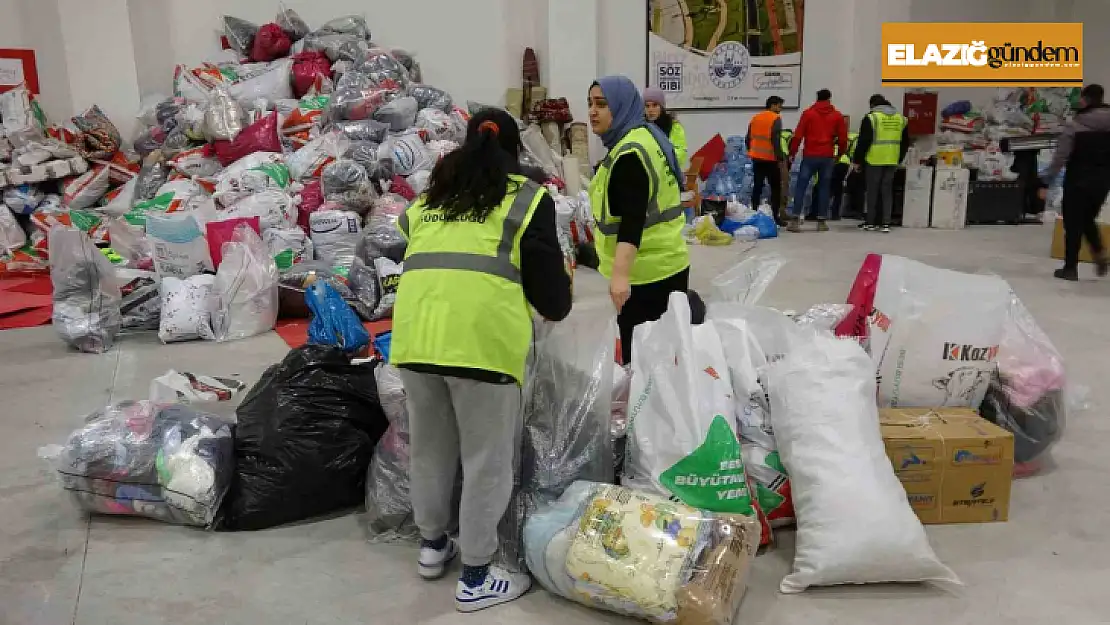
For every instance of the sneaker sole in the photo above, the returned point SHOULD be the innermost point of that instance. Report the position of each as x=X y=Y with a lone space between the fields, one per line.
x=437 y=571
x=485 y=602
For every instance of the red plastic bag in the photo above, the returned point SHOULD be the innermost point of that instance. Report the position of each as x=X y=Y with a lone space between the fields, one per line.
x=270 y=43
x=312 y=198
x=261 y=136
x=401 y=187
x=307 y=68
x=220 y=232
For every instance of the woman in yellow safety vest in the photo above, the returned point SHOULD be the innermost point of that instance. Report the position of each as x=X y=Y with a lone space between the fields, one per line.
x=637 y=204
x=655 y=109
x=482 y=247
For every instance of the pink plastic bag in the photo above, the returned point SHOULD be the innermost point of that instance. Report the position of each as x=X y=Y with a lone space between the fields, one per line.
x=220 y=232
x=307 y=68
x=261 y=136
x=270 y=43
x=862 y=299
x=312 y=198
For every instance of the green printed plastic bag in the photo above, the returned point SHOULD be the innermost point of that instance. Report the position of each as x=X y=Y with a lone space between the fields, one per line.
x=681 y=440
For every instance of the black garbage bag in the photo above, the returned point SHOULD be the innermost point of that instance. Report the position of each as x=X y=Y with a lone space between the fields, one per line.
x=303 y=443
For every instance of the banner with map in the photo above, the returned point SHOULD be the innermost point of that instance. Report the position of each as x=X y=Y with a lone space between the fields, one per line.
x=725 y=54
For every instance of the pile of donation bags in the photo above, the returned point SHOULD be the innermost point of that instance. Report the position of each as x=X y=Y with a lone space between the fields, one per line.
x=316 y=146
x=729 y=425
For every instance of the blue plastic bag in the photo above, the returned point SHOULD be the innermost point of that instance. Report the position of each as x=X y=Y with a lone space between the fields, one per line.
x=382 y=342
x=764 y=223
x=334 y=322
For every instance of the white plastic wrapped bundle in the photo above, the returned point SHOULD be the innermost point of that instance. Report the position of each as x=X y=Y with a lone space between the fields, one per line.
x=170 y=462
x=388 y=505
x=86 y=296
x=348 y=25
x=432 y=97
x=408 y=153
x=640 y=555
x=438 y=124
x=335 y=234
x=223 y=118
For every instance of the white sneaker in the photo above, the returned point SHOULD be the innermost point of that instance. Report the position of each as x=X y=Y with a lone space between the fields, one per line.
x=433 y=563
x=500 y=587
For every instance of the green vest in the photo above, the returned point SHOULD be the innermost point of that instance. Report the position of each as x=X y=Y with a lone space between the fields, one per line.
x=460 y=302
x=886 y=148
x=662 y=251
x=785 y=138
x=846 y=158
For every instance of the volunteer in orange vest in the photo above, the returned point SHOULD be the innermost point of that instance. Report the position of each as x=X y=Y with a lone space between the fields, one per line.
x=764 y=141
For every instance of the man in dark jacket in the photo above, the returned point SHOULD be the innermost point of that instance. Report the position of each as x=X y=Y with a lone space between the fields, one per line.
x=822 y=129
x=1084 y=147
x=875 y=148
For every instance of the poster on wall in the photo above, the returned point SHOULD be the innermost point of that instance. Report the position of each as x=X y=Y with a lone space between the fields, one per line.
x=18 y=67
x=725 y=54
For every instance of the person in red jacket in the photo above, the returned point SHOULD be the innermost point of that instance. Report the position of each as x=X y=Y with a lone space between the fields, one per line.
x=825 y=135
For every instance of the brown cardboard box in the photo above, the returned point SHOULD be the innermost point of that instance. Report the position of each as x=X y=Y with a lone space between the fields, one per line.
x=956 y=466
x=1084 y=251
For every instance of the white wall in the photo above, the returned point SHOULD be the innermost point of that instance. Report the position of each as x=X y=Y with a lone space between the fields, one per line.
x=1095 y=15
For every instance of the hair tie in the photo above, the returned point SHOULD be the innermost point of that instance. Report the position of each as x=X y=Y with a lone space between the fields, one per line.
x=491 y=126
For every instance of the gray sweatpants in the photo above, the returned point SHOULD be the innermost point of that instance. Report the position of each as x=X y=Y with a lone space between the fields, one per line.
x=880 y=193
x=453 y=419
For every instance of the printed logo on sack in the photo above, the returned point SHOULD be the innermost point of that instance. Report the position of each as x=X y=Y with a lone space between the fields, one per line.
x=969 y=353
x=982 y=54
x=729 y=64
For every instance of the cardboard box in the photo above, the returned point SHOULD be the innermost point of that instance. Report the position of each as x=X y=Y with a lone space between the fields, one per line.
x=956 y=466
x=1084 y=251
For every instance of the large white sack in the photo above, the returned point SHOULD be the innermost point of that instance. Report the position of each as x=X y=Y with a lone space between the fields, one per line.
x=855 y=524
x=335 y=235
x=245 y=294
x=935 y=334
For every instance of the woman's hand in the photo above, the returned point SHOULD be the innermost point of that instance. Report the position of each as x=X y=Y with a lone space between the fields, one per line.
x=619 y=291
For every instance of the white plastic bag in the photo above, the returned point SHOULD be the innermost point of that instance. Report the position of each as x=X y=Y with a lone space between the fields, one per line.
x=23 y=199
x=252 y=173
x=408 y=153
x=179 y=244
x=274 y=209
x=855 y=524
x=271 y=84
x=245 y=294
x=681 y=440
x=86 y=189
x=746 y=282
x=335 y=234
x=186 y=308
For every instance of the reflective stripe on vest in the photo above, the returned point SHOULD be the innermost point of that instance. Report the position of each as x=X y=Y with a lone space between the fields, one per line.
x=500 y=265
x=886 y=148
x=847 y=157
x=761 y=128
x=654 y=214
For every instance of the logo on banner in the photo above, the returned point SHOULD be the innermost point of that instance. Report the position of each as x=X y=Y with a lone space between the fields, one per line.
x=982 y=55
x=669 y=77
x=728 y=65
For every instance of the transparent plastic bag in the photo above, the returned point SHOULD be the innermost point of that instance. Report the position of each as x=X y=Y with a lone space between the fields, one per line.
x=169 y=462
x=1029 y=393
x=329 y=43
x=348 y=25
x=824 y=316
x=640 y=555
x=746 y=282
x=347 y=183
x=358 y=103
x=363 y=130
x=245 y=301
x=240 y=34
x=408 y=60
x=381 y=238
x=141 y=303
x=566 y=437
x=223 y=117
x=296 y=280
x=86 y=298
x=291 y=22
x=388 y=505
x=383 y=69
x=432 y=97
x=436 y=123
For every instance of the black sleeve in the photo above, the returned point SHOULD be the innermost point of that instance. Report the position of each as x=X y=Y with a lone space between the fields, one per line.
x=629 y=190
x=542 y=266
x=863 y=142
x=905 y=147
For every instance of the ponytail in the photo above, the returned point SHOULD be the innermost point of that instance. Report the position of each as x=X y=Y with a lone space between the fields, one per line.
x=474 y=179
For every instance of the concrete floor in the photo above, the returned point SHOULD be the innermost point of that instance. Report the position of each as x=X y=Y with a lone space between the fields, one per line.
x=59 y=567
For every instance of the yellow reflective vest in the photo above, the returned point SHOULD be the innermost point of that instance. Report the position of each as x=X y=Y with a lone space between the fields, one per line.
x=886 y=147
x=460 y=301
x=662 y=252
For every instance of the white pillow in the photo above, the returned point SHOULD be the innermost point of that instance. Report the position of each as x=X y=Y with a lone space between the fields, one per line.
x=855 y=524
